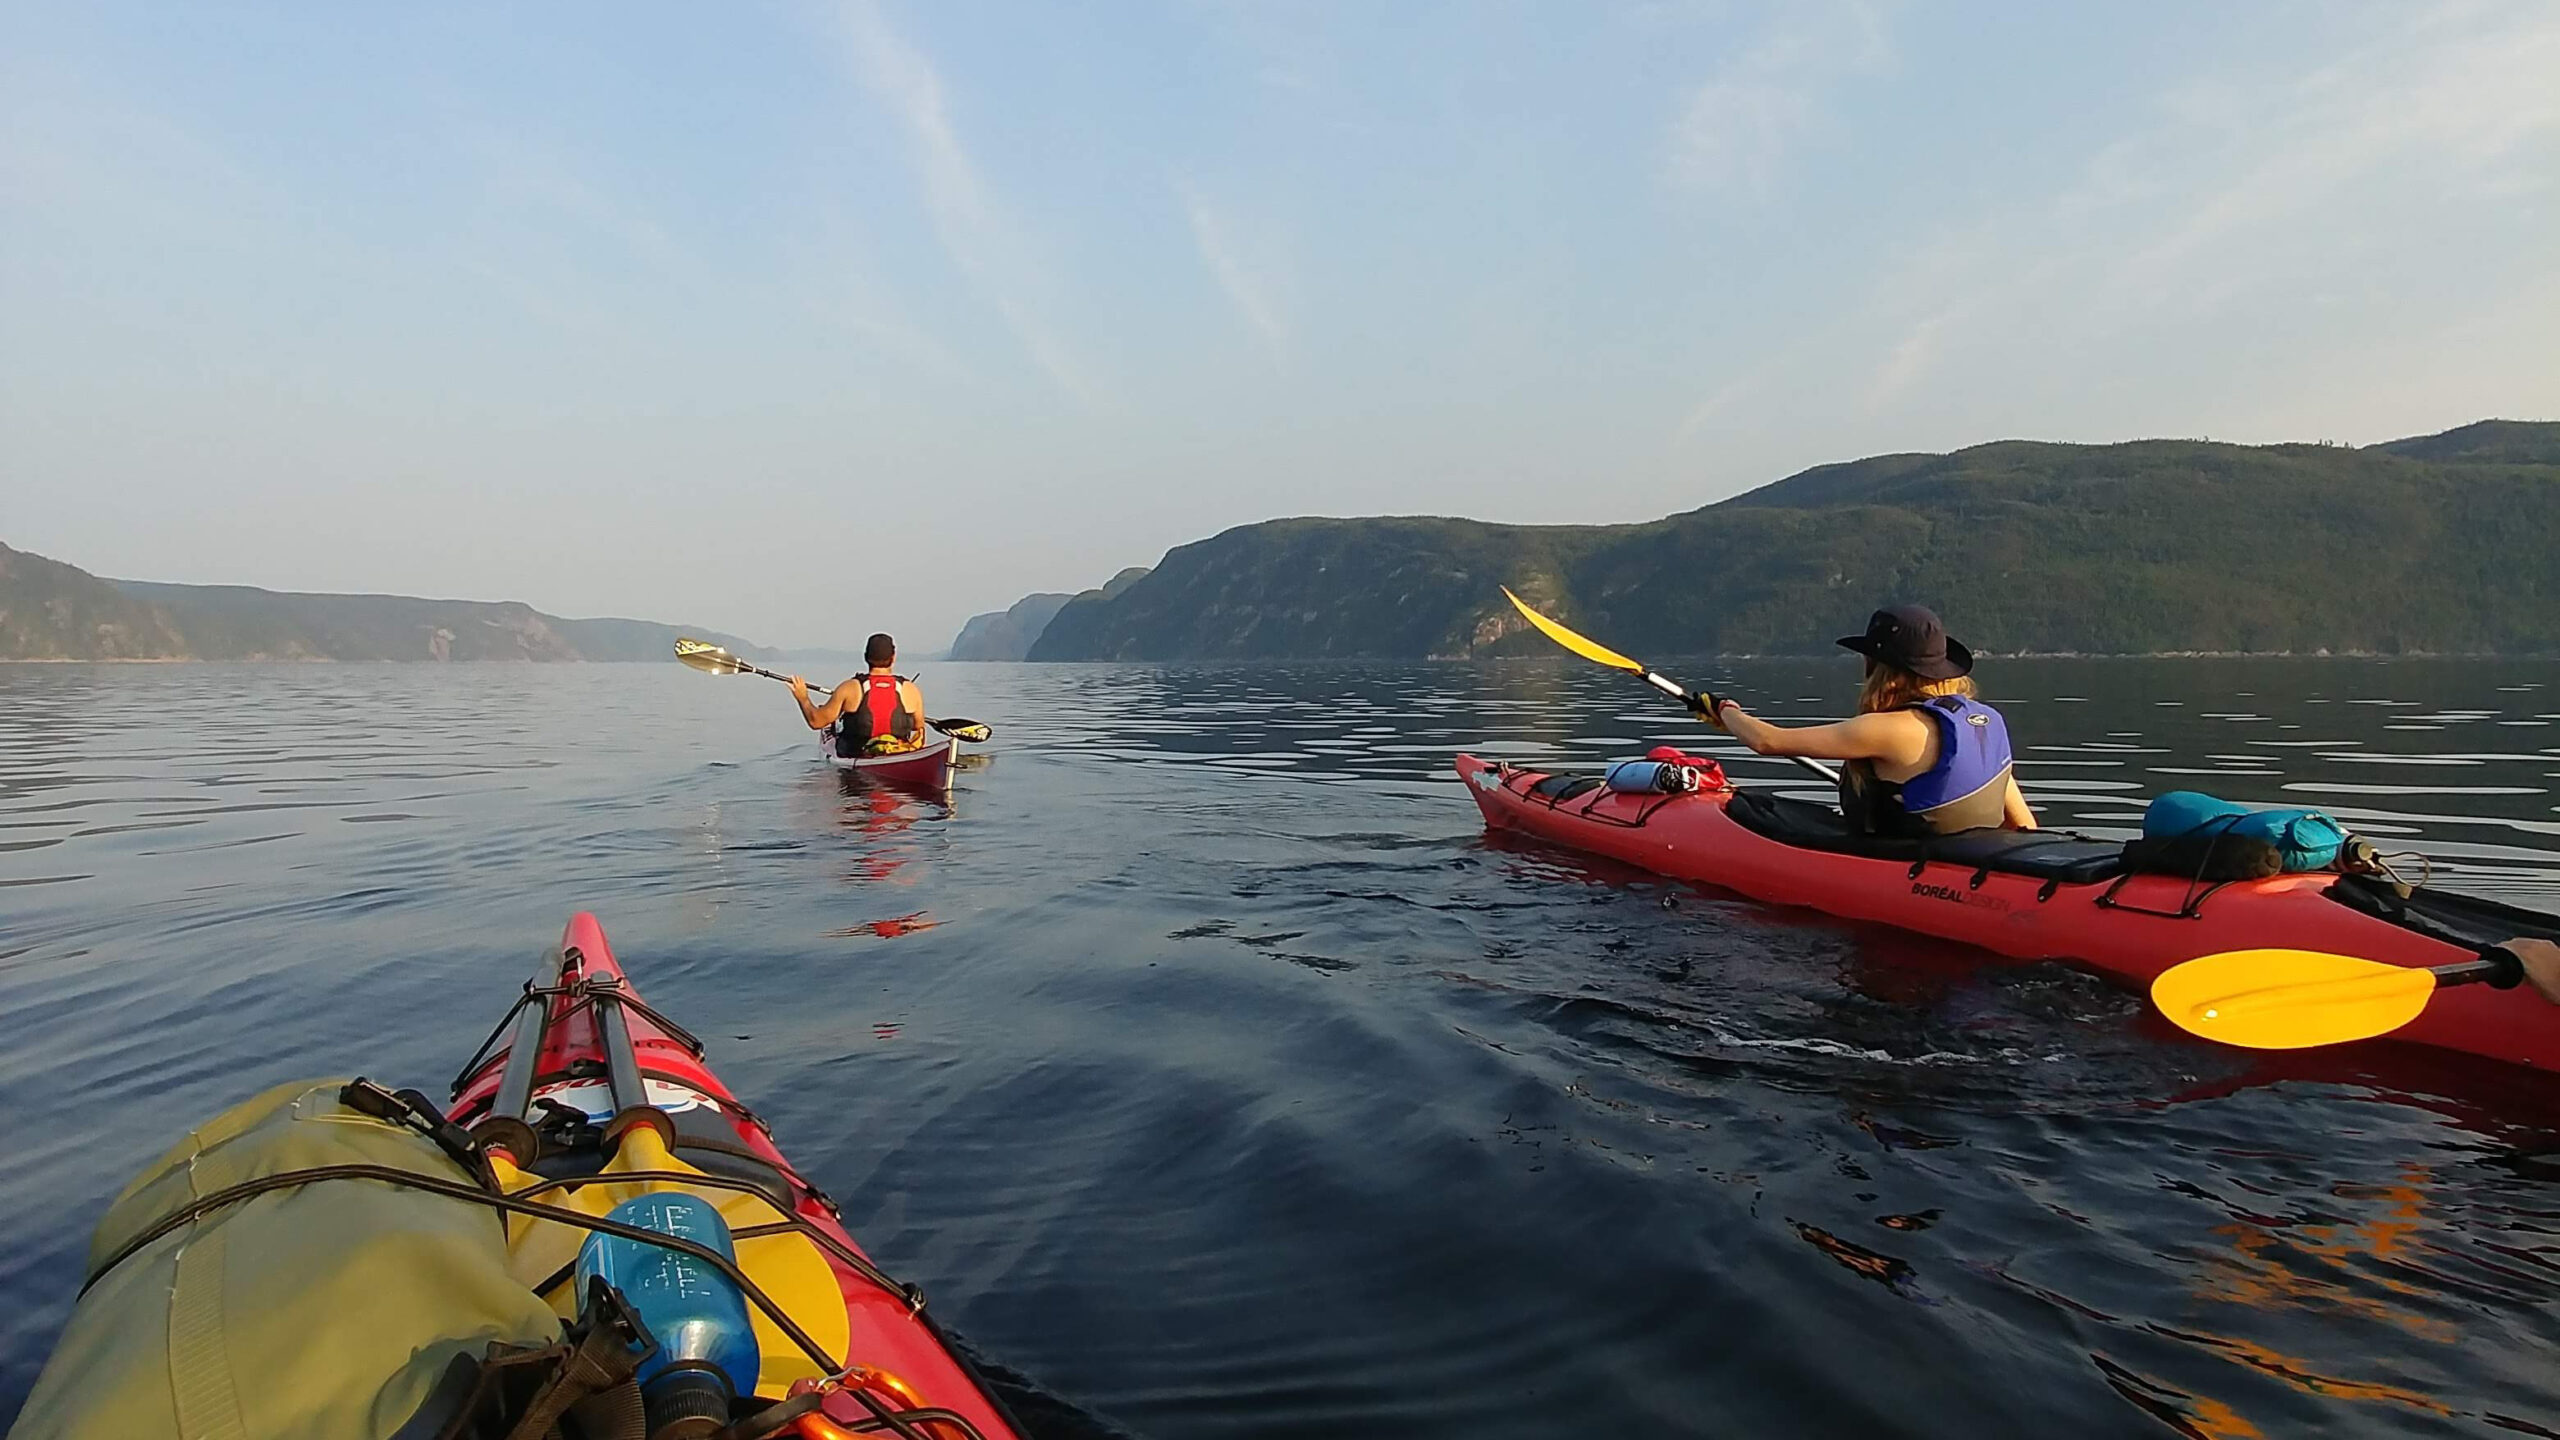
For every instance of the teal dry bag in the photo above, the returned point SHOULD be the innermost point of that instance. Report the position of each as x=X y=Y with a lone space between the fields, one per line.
x=2306 y=839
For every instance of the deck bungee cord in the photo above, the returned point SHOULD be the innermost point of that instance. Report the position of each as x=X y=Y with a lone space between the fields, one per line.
x=659 y=1270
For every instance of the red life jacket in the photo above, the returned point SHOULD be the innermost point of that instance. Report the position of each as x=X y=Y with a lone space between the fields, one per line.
x=882 y=715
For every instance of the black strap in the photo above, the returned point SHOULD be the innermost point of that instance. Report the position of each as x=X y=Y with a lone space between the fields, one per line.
x=606 y=1356
x=411 y=1108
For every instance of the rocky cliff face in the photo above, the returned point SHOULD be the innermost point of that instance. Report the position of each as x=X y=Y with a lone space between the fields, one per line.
x=53 y=611
x=1008 y=634
x=1077 y=610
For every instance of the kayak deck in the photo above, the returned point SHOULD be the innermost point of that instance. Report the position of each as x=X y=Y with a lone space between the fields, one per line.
x=931 y=766
x=605 y=1064
x=2031 y=896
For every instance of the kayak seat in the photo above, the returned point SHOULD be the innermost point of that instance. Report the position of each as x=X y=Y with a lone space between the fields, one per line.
x=1566 y=787
x=2058 y=855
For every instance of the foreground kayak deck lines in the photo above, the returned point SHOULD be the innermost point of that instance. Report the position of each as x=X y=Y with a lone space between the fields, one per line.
x=2130 y=927
x=605 y=1070
x=345 y=1250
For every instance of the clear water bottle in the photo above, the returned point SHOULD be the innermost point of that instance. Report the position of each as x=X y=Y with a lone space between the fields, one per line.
x=706 y=1354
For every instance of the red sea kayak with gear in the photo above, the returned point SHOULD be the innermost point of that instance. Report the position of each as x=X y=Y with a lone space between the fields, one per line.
x=583 y=1068
x=2034 y=895
x=598 y=1240
x=927 y=768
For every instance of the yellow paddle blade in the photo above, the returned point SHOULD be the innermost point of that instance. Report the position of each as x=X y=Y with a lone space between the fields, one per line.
x=706 y=657
x=1587 y=649
x=2290 y=999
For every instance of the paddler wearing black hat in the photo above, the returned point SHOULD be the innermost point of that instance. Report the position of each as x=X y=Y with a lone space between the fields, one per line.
x=1922 y=756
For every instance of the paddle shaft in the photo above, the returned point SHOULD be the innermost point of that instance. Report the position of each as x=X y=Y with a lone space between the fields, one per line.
x=1679 y=692
x=2496 y=966
x=1594 y=651
x=945 y=726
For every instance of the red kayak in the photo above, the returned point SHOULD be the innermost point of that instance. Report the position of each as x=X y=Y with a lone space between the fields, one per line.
x=929 y=768
x=587 y=1073
x=2035 y=895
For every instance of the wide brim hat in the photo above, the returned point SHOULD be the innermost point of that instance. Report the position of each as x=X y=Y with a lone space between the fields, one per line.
x=1910 y=637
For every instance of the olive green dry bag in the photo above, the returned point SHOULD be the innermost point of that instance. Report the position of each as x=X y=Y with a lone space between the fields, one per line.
x=332 y=1309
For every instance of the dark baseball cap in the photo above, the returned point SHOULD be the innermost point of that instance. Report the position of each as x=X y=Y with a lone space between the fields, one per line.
x=1909 y=637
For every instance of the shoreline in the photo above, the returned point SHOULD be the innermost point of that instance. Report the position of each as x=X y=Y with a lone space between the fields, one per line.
x=2385 y=655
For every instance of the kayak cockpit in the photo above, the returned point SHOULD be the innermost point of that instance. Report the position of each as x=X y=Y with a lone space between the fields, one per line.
x=2062 y=855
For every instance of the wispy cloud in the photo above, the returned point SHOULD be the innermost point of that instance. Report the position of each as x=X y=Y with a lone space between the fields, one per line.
x=1919 y=347
x=980 y=237
x=1717 y=404
x=2469 y=103
x=71 y=144
x=1250 y=294
x=1735 y=128
x=2267 y=239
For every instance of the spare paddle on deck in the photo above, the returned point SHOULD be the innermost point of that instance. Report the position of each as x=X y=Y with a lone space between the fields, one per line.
x=710 y=659
x=1590 y=649
x=2293 y=999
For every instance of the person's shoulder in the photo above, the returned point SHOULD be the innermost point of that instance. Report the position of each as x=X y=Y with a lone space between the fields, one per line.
x=1903 y=734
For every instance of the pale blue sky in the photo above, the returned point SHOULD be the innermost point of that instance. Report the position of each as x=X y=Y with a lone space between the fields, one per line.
x=803 y=320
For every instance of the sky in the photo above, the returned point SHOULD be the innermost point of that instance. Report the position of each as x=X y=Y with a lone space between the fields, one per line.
x=803 y=320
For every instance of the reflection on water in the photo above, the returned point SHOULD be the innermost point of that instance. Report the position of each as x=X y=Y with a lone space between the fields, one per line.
x=1211 y=1069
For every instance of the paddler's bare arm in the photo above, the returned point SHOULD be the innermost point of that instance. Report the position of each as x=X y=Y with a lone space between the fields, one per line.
x=818 y=716
x=1890 y=737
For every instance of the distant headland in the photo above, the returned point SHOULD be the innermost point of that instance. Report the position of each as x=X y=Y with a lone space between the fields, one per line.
x=53 y=611
x=2440 y=544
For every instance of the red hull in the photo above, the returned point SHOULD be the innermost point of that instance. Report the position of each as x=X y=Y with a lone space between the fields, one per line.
x=927 y=769
x=1691 y=838
x=883 y=1330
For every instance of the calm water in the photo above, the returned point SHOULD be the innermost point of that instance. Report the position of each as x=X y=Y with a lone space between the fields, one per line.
x=1214 y=1072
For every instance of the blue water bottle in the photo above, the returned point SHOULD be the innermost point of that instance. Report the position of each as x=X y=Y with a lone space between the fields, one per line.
x=706 y=1354
x=1651 y=777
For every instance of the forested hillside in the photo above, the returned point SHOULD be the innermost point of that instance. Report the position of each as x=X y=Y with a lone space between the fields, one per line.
x=2444 y=544
x=53 y=611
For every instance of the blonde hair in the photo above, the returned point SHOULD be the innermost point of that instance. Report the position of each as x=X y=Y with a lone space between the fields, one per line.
x=1889 y=687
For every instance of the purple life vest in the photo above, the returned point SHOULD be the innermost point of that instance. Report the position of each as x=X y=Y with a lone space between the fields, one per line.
x=1967 y=788
x=1973 y=756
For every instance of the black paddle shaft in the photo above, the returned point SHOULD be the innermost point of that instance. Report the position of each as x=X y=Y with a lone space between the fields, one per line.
x=2497 y=967
x=945 y=725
